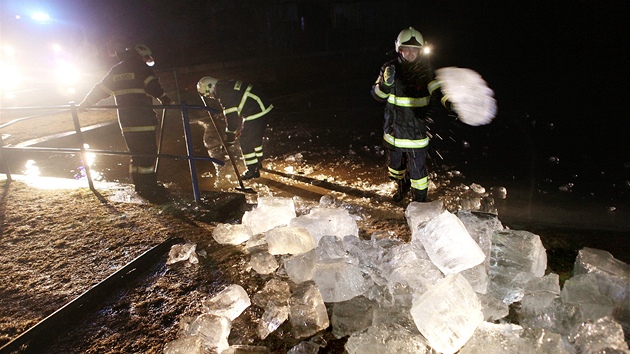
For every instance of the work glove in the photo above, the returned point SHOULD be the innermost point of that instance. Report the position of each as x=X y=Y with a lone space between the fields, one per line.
x=230 y=138
x=165 y=100
x=388 y=75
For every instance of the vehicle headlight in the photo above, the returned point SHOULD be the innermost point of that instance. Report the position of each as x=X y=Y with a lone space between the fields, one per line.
x=66 y=73
x=10 y=77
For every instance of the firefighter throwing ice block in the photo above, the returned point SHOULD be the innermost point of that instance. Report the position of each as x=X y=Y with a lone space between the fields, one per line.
x=410 y=91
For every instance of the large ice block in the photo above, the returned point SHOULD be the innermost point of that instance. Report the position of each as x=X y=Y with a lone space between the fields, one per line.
x=231 y=234
x=540 y=306
x=449 y=244
x=581 y=293
x=327 y=222
x=351 y=316
x=613 y=279
x=184 y=345
x=263 y=262
x=542 y=341
x=401 y=265
x=448 y=313
x=275 y=290
x=340 y=281
x=394 y=315
x=494 y=338
x=387 y=339
x=272 y=318
x=517 y=256
x=611 y=272
x=307 y=312
x=493 y=309
x=270 y=212
x=469 y=95
x=603 y=335
x=229 y=302
x=212 y=330
x=300 y=267
x=418 y=213
x=289 y=240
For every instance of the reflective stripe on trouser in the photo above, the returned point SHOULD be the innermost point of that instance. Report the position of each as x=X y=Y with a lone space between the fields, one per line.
x=420 y=184
x=395 y=174
x=413 y=162
x=251 y=140
x=250 y=159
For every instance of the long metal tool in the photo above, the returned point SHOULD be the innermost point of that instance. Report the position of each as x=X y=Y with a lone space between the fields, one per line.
x=159 y=151
x=242 y=187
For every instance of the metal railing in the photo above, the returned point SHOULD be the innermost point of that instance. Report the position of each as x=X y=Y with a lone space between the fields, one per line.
x=83 y=151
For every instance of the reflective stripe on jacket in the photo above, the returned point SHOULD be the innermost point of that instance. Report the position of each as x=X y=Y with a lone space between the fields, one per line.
x=407 y=104
x=241 y=102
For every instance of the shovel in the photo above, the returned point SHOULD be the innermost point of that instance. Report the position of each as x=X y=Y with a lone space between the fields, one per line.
x=242 y=188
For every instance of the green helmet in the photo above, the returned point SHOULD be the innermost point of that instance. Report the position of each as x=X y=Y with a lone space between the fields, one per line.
x=410 y=37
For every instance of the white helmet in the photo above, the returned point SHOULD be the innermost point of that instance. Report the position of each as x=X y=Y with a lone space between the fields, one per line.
x=207 y=86
x=409 y=37
x=144 y=52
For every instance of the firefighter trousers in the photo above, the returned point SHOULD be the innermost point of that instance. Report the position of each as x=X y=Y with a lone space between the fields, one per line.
x=251 y=141
x=408 y=163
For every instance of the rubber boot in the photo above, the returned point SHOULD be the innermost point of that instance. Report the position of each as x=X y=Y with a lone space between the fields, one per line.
x=252 y=172
x=418 y=195
x=146 y=186
x=403 y=187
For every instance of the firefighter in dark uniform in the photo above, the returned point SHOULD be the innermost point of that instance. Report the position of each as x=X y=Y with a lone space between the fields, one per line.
x=407 y=84
x=246 y=110
x=134 y=85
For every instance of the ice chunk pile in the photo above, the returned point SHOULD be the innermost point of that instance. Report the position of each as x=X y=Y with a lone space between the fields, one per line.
x=269 y=213
x=469 y=94
x=209 y=331
x=450 y=289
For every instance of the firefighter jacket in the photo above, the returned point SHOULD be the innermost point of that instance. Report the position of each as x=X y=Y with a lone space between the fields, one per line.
x=132 y=83
x=241 y=103
x=409 y=100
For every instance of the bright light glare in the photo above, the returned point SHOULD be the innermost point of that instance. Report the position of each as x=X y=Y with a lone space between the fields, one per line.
x=40 y=17
x=31 y=169
x=426 y=50
x=56 y=47
x=10 y=76
x=91 y=158
x=66 y=73
x=8 y=50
